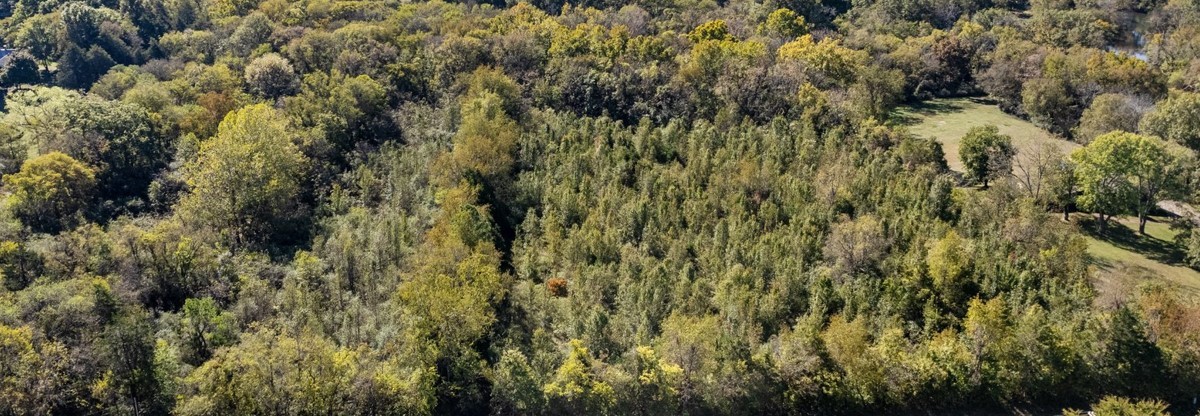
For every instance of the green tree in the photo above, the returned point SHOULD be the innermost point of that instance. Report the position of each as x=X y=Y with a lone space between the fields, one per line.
x=205 y=328
x=152 y=18
x=986 y=154
x=516 y=385
x=78 y=68
x=877 y=91
x=37 y=35
x=1061 y=185
x=18 y=264
x=784 y=23
x=1051 y=104
x=120 y=141
x=711 y=30
x=246 y=181
x=692 y=344
x=347 y=109
x=576 y=388
x=1124 y=172
x=1108 y=113
x=1132 y=361
x=949 y=265
x=131 y=382
x=840 y=64
x=1176 y=119
x=18 y=366
x=447 y=301
x=848 y=344
x=252 y=31
x=986 y=330
x=1122 y=406
x=486 y=141
x=272 y=373
x=20 y=69
x=657 y=387
x=50 y=192
x=271 y=76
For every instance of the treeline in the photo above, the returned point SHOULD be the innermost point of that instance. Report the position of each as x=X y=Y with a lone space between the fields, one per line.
x=376 y=207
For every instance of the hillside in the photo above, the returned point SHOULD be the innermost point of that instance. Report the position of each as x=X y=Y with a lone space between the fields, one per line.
x=617 y=207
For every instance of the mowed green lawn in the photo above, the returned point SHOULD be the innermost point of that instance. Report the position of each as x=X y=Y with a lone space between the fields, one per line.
x=948 y=119
x=1123 y=259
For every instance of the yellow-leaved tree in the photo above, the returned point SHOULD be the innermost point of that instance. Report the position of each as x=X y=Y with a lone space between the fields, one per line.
x=246 y=180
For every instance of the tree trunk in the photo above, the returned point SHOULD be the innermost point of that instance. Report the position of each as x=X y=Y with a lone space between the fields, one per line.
x=1142 y=217
x=1066 y=214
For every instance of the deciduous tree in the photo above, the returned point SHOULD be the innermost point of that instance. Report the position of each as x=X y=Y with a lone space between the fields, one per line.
x=271 y=76
x=1176 y=119
x=246 y=181
x=986 y=154
x=1125 y=172
x=51 y=191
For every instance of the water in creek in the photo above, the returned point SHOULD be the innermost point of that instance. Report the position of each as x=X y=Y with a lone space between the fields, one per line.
x=1135 y=44
x=1135 y=47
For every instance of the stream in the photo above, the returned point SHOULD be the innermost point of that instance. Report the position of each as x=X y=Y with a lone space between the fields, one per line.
x=1135 y=45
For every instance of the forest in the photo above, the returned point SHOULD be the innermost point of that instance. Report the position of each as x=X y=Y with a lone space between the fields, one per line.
x=609 y=207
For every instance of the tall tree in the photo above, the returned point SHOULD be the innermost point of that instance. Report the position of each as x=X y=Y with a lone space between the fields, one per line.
x=986 y=154
x=50 y=191
x=246 y=181
x=1125 y=172
x=1108 y=113
x=20 y=69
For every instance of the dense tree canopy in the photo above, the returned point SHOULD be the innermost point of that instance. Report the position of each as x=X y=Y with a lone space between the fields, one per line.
x=603 y=207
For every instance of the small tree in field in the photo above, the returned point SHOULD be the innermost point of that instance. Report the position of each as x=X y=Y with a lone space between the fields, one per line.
x=986 y=154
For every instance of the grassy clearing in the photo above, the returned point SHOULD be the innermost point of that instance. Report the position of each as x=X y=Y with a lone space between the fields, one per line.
x=1123 y=259
x=948 y=119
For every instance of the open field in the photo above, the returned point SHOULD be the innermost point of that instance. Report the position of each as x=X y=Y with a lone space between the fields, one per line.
x=948 y=119
x=1121 y=256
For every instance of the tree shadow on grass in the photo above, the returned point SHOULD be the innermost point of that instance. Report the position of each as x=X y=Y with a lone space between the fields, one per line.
x=984 y=100
x=915 y=112
x=1117 y=234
